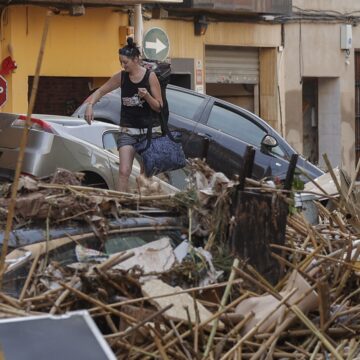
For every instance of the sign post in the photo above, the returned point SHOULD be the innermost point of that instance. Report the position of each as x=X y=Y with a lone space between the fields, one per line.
x=156 y=44
x=3 y=91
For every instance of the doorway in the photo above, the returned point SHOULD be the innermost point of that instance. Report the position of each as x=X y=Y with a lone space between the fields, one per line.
x=310 y=119
x=58 y=95
x=357 y=108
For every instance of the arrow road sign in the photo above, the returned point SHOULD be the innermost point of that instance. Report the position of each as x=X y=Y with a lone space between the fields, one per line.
x=156 y=44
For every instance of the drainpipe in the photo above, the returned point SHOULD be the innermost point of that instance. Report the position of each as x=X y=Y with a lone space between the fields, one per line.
x=138 y=28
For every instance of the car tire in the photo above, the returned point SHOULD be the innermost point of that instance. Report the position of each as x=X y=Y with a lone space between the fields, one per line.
x=93 y=180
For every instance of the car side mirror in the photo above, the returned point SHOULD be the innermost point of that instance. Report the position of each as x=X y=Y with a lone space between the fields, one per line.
x=269 y=141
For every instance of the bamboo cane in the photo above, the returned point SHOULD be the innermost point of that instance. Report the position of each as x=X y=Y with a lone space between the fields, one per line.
x=98 y=303
x=316 y=350
x=252 y=332
x=64 y=295
x=130 y=330
x=145 y=298
x=222 y=304
x=10 y=300
x=28 y=279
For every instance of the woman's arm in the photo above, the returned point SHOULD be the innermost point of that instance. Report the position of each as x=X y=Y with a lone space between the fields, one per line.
x=113 y=83
x=153 y=98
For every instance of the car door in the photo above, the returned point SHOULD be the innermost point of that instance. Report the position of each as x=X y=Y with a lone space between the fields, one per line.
x=234 y=132
x=110 y=144
x=186 y=110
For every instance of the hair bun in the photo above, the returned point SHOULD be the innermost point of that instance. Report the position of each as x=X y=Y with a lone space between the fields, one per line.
x=130 y=41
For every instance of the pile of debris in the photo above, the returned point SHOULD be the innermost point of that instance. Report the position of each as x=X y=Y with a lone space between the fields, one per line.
x=146 y=300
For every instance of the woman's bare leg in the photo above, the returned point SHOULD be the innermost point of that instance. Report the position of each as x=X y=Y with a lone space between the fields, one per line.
x=126 y=157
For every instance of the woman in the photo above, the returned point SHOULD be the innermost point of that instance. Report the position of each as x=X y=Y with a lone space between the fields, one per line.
x=140 y=98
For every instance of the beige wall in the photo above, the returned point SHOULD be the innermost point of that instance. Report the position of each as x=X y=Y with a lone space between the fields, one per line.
x=313 y=50
x=322 y=5
x=75 y=46
x=267 y=37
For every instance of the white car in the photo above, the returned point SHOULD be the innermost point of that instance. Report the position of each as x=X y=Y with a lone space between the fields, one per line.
x=64 y=142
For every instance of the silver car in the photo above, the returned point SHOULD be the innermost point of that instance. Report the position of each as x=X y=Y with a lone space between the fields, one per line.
x=64 y=142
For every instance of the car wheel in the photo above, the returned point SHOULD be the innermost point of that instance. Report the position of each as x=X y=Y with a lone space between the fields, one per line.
x=93 y=180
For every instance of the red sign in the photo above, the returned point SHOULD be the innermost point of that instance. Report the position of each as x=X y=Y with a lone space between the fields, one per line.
x=3 y=91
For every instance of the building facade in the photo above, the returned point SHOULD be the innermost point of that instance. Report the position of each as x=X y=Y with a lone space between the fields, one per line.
x=283 y=60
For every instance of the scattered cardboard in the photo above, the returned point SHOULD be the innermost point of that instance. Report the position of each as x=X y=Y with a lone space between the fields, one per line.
x=181 y=302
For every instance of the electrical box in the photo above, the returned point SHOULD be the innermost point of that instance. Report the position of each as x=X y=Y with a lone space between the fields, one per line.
x=345 y=37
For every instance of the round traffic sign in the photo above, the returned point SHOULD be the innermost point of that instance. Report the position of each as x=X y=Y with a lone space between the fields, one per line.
x=156 y=44
x=3 y=91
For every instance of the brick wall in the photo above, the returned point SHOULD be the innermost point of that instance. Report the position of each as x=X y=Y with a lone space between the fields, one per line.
x=59 y=95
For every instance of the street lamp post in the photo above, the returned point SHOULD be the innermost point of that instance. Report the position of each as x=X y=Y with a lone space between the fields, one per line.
x=139 y=26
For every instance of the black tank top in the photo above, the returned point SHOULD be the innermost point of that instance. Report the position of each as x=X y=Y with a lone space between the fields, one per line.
x=135 y=112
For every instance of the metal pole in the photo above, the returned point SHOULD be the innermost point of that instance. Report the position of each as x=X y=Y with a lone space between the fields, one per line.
x=139 y=26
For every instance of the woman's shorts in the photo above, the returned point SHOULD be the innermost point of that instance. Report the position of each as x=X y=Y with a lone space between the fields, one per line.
x=127 y=139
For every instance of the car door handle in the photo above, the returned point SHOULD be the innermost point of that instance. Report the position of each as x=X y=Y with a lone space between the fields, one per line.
x=205 y=136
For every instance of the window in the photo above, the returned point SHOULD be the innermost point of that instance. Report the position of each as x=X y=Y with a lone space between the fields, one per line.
x=235 y=125
x=183 y=104
x=109 y=142
x=120 y=242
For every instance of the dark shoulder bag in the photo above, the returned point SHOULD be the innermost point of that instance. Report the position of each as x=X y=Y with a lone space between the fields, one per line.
x=161 y=153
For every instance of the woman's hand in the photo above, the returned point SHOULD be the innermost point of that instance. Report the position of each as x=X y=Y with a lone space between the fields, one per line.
x=89 y=113
x=142 y=92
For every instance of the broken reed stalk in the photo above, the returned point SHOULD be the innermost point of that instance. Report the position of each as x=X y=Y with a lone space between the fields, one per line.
x=110 y=193
x=159 y=345
x=353 y=180
x=197 y=322
x=301 y=316
x=135 y=348
x=270 y=342
x=200 y=288
x=207 y=321
x=254 y=330
x=64 y=295
x=181 y=342
x=316 y=350
x=28 y=279
x=22 y=147
x=98 y=303
x=10 y=300
x=322 y=257
x=232 y=332
x=115 y=260
x=128 y=331
x=222 y=304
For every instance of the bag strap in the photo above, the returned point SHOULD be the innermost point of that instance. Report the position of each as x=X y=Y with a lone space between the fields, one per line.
x=122 y=78
x=164 y=126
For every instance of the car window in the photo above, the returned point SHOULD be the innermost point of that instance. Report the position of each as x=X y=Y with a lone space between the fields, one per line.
x=235 y=125
x=278 y=151
x=182 y=103
x=66 y=254
x=109 y=142
x=120 y=242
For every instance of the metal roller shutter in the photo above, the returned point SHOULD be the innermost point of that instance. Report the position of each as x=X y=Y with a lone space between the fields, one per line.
x=234 y=65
